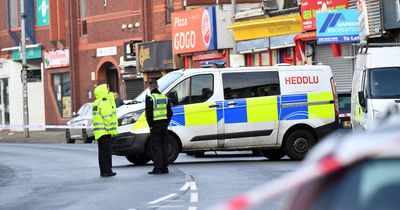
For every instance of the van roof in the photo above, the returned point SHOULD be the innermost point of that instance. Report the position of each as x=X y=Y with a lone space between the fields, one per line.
x=271 y=68
x=378 y=57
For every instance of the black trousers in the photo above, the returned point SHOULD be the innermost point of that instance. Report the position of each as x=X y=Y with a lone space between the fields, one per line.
x=105 y=161
x=159 y=145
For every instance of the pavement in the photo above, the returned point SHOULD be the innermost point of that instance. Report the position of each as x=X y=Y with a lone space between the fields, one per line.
x=42 y=137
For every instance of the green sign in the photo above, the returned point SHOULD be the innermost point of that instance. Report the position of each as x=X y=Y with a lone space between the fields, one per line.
x=42 y=13
x=31 y=53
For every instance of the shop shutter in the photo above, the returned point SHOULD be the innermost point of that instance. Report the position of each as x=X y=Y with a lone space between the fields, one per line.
x=342 y=69
x=134 y=87
x=375 y=16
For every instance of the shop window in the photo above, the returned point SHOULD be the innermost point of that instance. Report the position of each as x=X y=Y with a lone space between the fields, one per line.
x=62 y=92
x=265 y=61
x=169 y=10
x=83 y=15
x=14 y=10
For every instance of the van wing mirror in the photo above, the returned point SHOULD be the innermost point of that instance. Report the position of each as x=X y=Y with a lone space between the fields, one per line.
x=361 y=99
x=173 y=97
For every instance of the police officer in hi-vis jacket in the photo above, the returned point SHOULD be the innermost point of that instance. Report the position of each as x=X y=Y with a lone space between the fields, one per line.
x=105 y=124
x=158 y=116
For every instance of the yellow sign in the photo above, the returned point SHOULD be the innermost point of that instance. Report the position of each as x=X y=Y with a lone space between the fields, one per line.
x=266 y=27
x=144 y=54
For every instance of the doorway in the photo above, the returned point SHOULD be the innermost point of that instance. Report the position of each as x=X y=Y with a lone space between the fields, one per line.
x=4 y=103
x=108 y=73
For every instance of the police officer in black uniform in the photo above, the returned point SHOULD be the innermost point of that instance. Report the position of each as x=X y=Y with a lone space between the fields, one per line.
x=158 y=115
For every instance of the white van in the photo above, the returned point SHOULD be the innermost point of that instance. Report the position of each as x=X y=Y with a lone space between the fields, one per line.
x=280 y=110
x=376 y=84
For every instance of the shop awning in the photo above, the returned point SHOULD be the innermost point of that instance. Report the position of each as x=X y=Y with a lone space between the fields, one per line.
x=308 y=36
x=266 y=27
x=251 y=46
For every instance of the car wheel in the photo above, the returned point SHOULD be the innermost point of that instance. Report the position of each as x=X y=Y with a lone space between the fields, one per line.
x=68 y=137
x=85 y=137
x=138 y=159
x=273 y=154
x=298 y=143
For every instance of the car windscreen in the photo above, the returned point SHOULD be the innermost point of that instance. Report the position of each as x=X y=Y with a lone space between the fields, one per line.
x=372 y=184
x=163 y=83
x=384 y=83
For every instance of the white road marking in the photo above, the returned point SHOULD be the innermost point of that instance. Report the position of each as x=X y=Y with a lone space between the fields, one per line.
x=191 y=185
x=161 y=199
x=192 y=208
x=194 y=197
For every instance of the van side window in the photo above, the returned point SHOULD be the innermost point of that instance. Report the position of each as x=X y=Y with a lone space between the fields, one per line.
x=196 y=89
x=250 y=84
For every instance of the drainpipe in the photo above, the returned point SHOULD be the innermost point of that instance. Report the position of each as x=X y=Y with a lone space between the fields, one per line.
x=233 y=5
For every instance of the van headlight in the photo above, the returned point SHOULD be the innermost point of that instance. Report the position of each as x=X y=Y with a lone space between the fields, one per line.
x=129 y=118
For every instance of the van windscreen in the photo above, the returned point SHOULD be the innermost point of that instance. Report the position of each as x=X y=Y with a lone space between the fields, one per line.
x=384 y=83
x=163 y=83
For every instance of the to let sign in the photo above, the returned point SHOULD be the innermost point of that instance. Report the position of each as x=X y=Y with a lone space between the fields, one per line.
x=56 y=59
x=194 y=30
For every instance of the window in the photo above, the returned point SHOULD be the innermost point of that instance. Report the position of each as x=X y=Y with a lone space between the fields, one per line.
x=33 y=75
x=250 y=84
x=170 y=10
x=62 y=91
x=83 y=14
x=196 y=89
x=384 y=83
x=290 y=4
x=15 y=8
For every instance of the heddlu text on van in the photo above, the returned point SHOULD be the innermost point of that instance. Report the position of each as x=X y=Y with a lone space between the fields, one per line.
x=302 y=80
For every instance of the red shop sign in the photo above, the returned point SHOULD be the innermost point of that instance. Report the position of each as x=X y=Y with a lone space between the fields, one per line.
x=309 y=10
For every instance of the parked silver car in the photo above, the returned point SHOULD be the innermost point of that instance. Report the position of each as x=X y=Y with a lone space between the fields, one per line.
x=82 y=118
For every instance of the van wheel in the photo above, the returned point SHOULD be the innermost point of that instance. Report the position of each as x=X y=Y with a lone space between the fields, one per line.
x=85 y=137
x=173 y=149
x=138 y=159
x=273 y=154
x=68 y=137
x=298 y=144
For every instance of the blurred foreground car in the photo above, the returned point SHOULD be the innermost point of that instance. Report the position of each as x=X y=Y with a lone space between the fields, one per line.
x=344 y=109
x=82 y=118
x=354 y=172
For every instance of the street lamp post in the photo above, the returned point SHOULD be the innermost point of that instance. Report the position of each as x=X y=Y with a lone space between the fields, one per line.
x=24 y=72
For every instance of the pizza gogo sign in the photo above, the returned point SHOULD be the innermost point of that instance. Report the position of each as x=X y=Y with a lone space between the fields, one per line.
x=194 y=30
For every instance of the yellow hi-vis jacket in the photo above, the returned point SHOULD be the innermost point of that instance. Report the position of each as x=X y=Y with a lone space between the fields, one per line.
x=159 y=106
x=104 y=112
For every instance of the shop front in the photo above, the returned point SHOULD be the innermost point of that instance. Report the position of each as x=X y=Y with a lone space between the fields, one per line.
x=154 y=59
x=11 y=107
x=200 y=36
x=267 y=41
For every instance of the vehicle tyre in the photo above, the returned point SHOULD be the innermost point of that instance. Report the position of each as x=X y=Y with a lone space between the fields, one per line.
x=138 y=159
x=256 y=152
x=173 y=149
x=298 y=143
x=273 y=154
x=68 y=137
x=86 y=139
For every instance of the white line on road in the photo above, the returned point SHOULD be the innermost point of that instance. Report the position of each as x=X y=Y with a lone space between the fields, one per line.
x=161 y=199
x=194 y=197
x=192 y=208
x=191 y=185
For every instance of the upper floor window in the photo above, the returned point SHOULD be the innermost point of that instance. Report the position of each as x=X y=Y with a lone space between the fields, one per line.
x=83 y=15
x=290 y=4
x=170 y=10
x=15 y=9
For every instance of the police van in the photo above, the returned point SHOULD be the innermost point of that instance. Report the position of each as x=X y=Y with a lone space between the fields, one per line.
x=279 y=110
